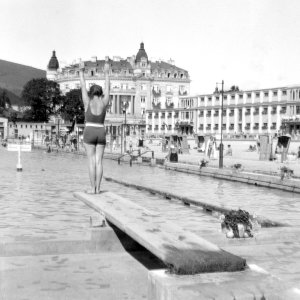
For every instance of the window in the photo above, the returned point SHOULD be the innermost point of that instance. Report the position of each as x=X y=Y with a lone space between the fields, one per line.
x=225 y=97
x=249 y=95
x=143 y=87
x=297 y=110
x=156 y=127
x=21 y=126
x=169 y=74
x=92 y=73
x=275 y=94
x=284 y=93
x=257 y=95
x=169 y=127
x=30 y=126
x=143 y=99
x=209 y=98
x=202 y=99
x=248 y=112
x=26 y=126
x=266 y=94
x=217 y=98
x=240 y=96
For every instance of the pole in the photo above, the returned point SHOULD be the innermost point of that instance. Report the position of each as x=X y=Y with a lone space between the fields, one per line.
x=221 y=148
x=125 y=132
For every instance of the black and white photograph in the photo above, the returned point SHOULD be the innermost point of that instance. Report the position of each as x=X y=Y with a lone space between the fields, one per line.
x=149 y=150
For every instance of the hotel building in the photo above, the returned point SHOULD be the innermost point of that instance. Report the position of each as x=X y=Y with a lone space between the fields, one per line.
x=137 y=85
x=252 y=112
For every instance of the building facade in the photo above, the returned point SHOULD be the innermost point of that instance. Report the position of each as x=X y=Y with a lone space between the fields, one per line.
x=137 y=85
x=244 y=112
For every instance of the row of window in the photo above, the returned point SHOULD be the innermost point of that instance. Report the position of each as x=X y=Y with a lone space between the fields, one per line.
x=247 y=126
x=248 y=111
x=26 y=126
x=163 y=115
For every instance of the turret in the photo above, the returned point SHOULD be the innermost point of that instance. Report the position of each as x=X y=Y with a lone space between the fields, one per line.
x=52 y=67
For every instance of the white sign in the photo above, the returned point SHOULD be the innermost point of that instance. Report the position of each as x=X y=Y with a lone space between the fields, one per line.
x=17 y=147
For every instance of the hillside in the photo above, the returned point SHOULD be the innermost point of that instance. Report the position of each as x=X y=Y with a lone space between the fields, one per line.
x=14 y=99
x=14 y=76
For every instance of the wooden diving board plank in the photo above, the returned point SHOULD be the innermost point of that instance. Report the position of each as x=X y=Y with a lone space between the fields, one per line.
x=184 y=252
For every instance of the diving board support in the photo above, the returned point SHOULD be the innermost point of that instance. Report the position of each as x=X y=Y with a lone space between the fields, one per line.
x=182 y=251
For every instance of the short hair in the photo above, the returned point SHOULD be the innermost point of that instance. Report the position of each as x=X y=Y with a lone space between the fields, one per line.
x=95 y=90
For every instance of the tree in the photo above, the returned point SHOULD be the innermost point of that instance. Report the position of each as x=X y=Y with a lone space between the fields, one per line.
x=43 y=97
x=5 y=103
x=73 y=107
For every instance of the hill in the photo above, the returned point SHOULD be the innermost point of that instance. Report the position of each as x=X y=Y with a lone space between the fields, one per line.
x=14 y=99
x=14 y=76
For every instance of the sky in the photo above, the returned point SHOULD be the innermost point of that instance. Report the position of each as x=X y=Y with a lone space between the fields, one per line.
x=249 y=43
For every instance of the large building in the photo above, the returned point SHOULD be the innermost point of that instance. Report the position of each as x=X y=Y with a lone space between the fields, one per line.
x=249 y=112
x=137 y=85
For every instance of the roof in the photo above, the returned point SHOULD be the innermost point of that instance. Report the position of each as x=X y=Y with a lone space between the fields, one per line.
x=161 y=65
x=53 y=63
x=141 y=53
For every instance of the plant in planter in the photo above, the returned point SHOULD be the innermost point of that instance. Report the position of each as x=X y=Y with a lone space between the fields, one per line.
x=286 y=173
x=203 y=163
x=237 y=167
x=237 y=224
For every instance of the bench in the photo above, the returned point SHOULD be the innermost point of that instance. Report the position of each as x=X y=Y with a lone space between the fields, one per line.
x=183 y=252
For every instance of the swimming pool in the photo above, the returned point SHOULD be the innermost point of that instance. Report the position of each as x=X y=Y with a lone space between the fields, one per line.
x=38 y=203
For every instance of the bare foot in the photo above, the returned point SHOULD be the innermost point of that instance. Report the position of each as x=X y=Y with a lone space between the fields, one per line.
x=91 y=191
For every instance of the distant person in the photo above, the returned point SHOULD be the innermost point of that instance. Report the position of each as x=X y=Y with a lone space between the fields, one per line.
x=229 y=151
x=130 y=145
x=94 y=136
x=173 y=153
x=298 y=154
x=114 y=144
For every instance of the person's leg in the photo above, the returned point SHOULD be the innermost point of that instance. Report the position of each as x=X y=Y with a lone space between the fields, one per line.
x=91 y=154
x=99 y=166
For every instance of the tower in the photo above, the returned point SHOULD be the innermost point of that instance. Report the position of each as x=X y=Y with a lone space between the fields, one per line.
x=52 y=67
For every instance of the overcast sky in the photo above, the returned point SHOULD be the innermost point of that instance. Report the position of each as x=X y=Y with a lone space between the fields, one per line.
x=249 y=43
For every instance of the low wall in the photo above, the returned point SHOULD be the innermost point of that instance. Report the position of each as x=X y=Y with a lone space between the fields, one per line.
x=290 y=185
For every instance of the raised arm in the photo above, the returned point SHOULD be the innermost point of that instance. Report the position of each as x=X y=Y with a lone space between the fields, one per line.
x=107 y=82
x=85 y=97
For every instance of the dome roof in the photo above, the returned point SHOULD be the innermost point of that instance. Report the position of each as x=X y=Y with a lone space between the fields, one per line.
x=53 y=62
x=141 y=53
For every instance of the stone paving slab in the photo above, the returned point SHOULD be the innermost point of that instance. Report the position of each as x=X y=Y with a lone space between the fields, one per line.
x=247 y=285
x=107 y=276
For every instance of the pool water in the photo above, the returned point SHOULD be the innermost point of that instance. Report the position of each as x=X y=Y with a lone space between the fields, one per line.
x=38 y=203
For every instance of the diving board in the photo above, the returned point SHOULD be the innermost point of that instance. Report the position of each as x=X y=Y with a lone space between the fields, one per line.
x=184 y=252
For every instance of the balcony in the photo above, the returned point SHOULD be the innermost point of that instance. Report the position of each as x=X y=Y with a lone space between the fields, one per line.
x=208 y=114
x=169 y=104
x=231 y=114
x=265 y=112
x=264 y=127
x=247 y=113
x=201 y=115
x=200 y=127
x=247 y=127
x=273 y=112
x=156 y=105
x=283 y=111
x=216 y=114
x=255 y=127
x=273 y=127
x=256 y=113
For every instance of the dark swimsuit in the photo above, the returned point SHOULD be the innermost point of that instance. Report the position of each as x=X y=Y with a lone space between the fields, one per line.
x=94 y=135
